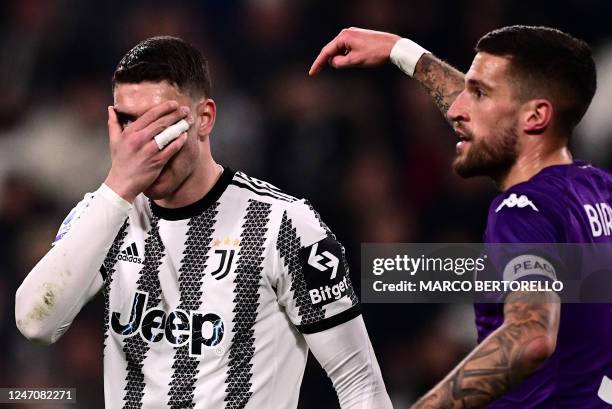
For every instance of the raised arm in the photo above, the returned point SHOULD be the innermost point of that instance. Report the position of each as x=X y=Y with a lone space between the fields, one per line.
x=356 y=47
x=68 y=276
x=505 y=358
x=441 y=81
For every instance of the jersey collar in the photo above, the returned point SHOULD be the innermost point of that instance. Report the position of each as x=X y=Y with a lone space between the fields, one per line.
x=196 y=208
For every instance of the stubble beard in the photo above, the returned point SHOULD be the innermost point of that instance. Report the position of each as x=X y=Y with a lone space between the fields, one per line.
x=161 y=192
x=492 y=157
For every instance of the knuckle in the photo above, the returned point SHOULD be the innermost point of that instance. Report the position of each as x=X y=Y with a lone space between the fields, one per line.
x=158 y=159
x=171 y=119
x=171 y=104
x=150 y=149
x=156 y=129
x=133 y=139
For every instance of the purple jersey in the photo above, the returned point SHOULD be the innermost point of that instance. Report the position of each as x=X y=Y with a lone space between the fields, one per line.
x=561 y=204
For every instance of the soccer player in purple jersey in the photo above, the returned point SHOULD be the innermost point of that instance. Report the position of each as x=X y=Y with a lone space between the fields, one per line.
x=514 y=112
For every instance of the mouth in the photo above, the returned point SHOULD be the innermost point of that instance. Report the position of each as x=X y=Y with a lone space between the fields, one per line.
x=463 y=141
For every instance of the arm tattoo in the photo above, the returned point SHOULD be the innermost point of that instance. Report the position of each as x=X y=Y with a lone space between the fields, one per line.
x=441 y=81
x=504 y=358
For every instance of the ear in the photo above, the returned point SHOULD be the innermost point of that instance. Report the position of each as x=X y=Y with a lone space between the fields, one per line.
x=537 y=116
x=206 y=111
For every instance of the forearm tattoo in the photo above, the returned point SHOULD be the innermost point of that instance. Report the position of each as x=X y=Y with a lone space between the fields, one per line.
x=441 y=81
x=502 y=360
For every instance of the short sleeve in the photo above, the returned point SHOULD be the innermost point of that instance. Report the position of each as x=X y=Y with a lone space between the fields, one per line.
x=313 y=284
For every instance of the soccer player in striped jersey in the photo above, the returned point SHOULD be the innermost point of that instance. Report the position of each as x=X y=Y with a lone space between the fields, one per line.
x=216 y=284
x=514 y=112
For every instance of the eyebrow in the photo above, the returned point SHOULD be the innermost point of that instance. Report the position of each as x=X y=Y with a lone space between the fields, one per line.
x=478 y=83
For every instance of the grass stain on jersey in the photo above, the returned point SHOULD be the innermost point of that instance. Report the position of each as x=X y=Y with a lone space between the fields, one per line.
x=44 y=307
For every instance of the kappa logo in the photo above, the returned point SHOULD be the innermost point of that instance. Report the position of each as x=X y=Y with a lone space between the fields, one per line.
x=516 y=201
x=130 y=254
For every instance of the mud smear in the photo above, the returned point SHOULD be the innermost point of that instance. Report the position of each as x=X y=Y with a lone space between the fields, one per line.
x=43 y=308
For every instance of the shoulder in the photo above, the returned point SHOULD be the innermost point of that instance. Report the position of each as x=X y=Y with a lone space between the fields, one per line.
x=552 y=189
x=295 y=216
x=253 y=188
x=544 y=194
x=518 y=202
x=527 y=212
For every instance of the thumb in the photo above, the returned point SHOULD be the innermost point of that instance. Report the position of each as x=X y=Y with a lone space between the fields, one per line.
x=343 y=61
x=114 y=129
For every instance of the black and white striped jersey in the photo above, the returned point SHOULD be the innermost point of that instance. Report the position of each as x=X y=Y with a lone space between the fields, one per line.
x=205 y=304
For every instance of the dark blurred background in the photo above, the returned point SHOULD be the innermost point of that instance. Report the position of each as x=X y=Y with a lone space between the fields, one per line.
x=367 y=147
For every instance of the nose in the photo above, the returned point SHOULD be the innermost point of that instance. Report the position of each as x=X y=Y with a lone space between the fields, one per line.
x=458 y=109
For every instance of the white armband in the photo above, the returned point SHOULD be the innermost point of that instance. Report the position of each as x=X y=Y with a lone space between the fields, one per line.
x=405 y=54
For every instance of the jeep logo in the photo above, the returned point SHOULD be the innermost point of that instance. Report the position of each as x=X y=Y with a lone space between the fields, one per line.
x=177 y=327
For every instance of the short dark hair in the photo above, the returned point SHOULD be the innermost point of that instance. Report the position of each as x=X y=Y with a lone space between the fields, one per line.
x=547 y=63
x=165 y=58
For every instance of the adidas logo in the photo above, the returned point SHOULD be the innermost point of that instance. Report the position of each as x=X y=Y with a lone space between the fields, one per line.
x=130 y=254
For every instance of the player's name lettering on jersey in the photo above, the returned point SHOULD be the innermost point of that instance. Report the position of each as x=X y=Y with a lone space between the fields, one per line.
x=200 y=329
x=518 y=201
x=329 y=293
x=600 y=218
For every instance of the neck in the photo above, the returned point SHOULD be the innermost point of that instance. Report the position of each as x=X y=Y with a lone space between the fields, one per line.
x=532 y=162
x=196 y=186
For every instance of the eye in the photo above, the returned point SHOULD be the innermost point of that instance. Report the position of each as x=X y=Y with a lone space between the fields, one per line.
x=125 y=122
x=124 y=119
x=478 y=93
